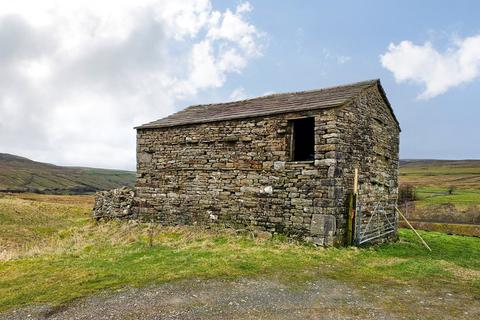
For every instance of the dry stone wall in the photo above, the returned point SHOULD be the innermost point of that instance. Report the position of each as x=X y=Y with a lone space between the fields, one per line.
x=114 y=204
x=238 y=173
x=371 y=144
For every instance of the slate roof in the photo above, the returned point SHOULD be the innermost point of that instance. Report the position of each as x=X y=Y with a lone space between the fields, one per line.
x=268 y=105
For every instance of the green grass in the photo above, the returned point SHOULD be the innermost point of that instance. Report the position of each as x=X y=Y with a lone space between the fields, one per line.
x=459 y=197
x=72 y=256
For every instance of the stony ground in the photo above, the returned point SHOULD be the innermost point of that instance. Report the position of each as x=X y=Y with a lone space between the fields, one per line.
x=262 y=299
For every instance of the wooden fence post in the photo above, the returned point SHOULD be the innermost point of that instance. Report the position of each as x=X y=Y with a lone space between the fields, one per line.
x=415 y=231
x=352 y=207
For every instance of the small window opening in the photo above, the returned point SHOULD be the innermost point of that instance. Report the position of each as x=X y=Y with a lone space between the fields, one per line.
x=303 y=139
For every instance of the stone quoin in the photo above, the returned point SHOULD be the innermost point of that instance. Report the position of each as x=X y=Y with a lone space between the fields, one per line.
x=282 y=163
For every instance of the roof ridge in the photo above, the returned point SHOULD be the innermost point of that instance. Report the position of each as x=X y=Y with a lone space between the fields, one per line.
x=353 y=84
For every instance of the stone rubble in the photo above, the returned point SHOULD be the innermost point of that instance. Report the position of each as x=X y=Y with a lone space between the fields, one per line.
x=113 y=204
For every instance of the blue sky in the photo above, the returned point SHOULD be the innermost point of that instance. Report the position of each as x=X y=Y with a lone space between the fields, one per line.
x=301 y=33
x=77 y=76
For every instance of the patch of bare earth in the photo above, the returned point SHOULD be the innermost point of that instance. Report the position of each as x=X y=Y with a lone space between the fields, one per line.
x=264 y=299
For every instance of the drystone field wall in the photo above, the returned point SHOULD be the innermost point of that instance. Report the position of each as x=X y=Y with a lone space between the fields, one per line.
x=238 y=173
x=114 y=204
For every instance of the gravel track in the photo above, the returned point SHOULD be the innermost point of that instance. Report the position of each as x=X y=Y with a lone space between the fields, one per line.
x=261 y=299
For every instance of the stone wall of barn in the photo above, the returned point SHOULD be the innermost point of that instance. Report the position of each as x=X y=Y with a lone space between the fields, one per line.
x=370 y=143
x=238 y=173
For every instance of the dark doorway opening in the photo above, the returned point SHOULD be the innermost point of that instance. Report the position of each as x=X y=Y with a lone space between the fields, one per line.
x=303 y=139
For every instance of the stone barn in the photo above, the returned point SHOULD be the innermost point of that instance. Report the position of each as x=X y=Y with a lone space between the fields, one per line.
x=283 y=163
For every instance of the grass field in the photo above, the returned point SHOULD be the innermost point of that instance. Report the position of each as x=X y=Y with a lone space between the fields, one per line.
x=459 y=197
x=52 y=252
x=461 y=174
x=447 y=192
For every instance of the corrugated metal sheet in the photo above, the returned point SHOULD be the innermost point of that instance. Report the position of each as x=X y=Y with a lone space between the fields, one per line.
x=266 y=105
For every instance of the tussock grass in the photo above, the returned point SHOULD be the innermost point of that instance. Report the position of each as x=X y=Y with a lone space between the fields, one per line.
x=28 y=221
x=61 y=254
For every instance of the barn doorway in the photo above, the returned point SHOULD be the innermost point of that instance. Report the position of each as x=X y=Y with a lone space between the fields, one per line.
x=303 y=139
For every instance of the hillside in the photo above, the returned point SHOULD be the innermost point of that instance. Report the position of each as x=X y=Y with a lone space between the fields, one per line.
x=447 y=195
x=18 y=174
x=464 y=174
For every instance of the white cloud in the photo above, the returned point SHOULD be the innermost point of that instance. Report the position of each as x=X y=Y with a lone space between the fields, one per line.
x=329 y=57
x=238 y=94
x=343 y=59
x=234 y=28
x=78 y=75
x=268 y=93
x=437 y=71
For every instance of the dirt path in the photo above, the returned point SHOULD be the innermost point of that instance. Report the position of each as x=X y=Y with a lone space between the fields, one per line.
x=262 y=299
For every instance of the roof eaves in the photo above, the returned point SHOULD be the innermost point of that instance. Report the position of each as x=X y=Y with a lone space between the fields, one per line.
x=228 y=118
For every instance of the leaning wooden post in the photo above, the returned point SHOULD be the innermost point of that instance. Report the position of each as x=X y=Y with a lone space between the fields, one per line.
x=411 y=227
x=352 y=207
x=355 y=182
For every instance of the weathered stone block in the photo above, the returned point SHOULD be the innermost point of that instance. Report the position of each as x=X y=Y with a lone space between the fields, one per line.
x=301 y=202
x=325 y=162
x=279 y=165
x=323 y=224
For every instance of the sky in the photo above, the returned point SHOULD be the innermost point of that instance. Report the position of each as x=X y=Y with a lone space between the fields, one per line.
x=77 y=76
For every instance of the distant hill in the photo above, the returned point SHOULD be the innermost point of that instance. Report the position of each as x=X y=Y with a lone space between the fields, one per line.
x=19 y=174
x=438 y=163
x=441 y=173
